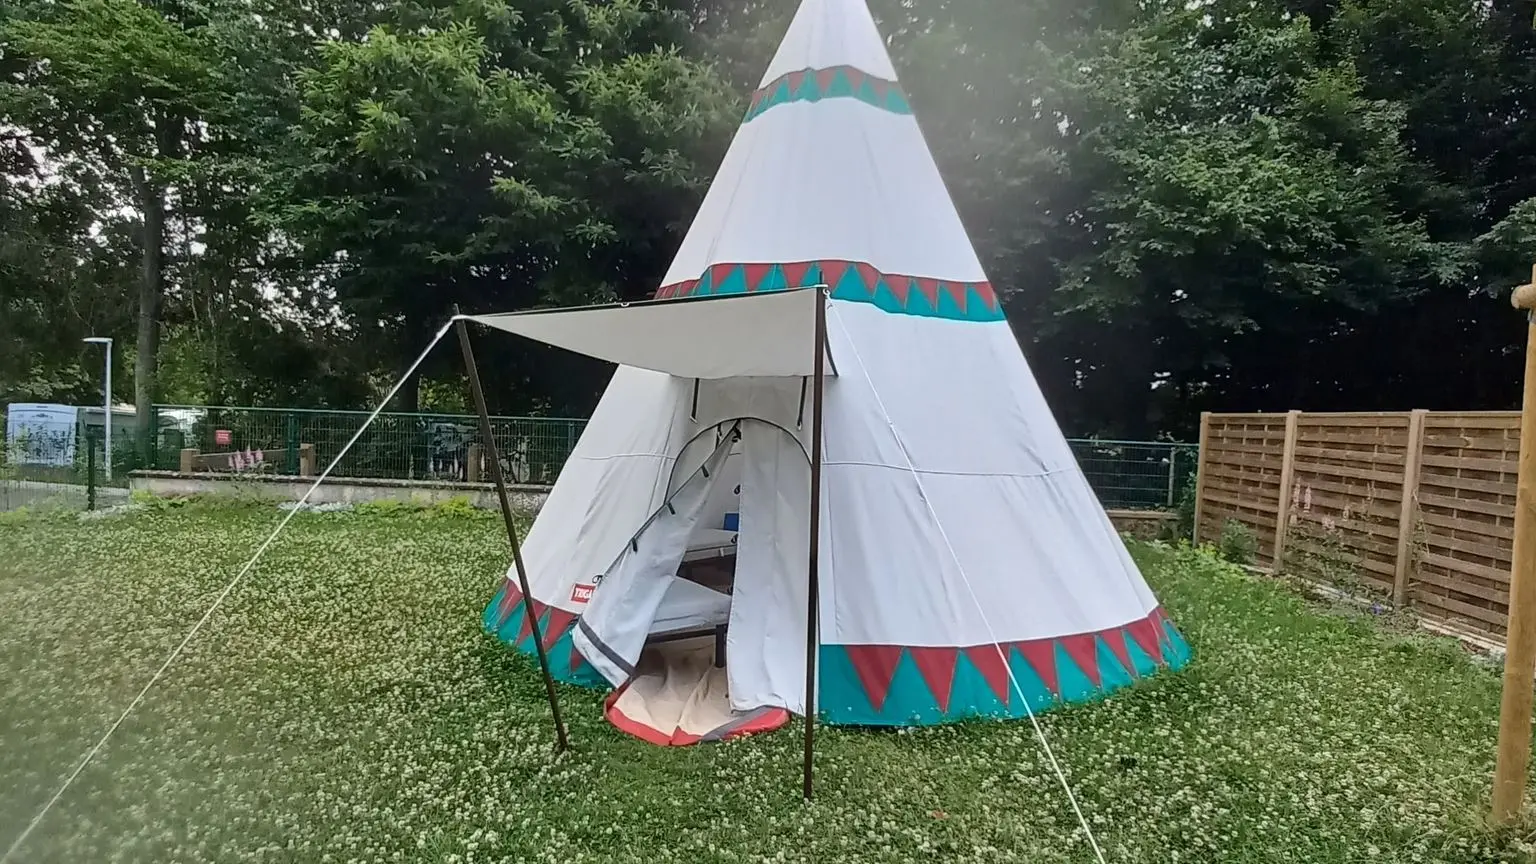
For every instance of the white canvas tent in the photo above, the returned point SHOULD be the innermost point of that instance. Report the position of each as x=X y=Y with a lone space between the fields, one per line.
x=965 y=565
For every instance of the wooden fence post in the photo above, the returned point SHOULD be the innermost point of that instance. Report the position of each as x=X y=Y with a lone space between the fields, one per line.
x=1287 y=477
x=1409 y=509
x=1514 y=754
x=306 y=460
x=188 y=459
x=475 y=459
x=1200 y=464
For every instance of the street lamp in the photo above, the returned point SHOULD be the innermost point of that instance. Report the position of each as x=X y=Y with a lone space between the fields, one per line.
x=106 y=398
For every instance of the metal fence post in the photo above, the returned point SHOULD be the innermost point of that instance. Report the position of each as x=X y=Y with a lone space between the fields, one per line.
x=291 y=445
x=90 y=470
x=1173 y=461
x=149 y=448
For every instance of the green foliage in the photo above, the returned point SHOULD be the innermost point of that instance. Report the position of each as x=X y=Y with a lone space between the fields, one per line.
x=458 y=507
x=1235 y=205
x=1238 y=544
x=159 y=503
x=387 y=507
x=1184 y=509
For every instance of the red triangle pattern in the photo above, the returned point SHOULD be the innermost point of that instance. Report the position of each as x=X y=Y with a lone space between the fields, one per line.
x=937 y=666
x=1115 y=639
x=794 y=274
x=1144 y=633
x=832 y=273
x=992 y=663
x=1083 y=648
x=930 y=290
x=755 y=274
x=796 y=79
x=868 y=275
x=824 y=77
x=525 y=629
x=956 y=292
x=1041 y=656
x=509 y=600
x=987 y=295
x=856 y=76
x=876 y=667
x=559 y=621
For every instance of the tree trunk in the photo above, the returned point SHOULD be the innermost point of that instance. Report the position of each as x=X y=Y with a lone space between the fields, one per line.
x=145 y=364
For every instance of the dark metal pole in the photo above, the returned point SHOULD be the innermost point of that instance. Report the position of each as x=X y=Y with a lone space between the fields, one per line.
x=90 y=469
x=506 y=516
x=813 y=574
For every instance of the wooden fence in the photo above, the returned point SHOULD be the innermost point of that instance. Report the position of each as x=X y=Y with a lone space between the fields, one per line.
x=1415 y=506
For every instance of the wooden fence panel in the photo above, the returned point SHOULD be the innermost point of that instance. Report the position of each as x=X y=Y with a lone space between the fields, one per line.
x=1241 y=464
x=1346 y=498
x=1418 y=506
x=1464 y=529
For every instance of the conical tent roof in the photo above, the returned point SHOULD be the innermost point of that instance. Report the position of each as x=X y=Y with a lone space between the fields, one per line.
x=967 y=568
x=845 y=194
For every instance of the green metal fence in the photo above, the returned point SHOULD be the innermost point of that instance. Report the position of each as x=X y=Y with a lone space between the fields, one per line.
x=1124 y=474
x=56 y=470
x=1136 y=475
x=399 y=446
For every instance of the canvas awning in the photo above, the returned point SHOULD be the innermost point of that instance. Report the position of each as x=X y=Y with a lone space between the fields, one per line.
x=723 y=336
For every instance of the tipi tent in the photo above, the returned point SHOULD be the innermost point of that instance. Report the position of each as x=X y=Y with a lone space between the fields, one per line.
x=964 y=564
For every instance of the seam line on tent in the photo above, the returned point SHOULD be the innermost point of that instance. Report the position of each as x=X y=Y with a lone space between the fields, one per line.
x=907 y=469
x=611 y=457
x=980 y=609
x=219 y=600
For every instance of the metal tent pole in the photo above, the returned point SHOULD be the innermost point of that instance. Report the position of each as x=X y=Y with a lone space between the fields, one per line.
x=506 y=516
x=818 y=385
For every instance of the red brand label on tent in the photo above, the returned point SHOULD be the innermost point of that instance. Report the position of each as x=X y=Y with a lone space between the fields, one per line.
x=222 y=437
x=581 y=593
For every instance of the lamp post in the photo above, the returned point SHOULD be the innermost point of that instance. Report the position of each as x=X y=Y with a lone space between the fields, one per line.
x=106 y=399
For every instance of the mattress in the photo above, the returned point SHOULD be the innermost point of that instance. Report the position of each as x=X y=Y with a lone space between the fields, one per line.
x=690 y=606
x=710 y=543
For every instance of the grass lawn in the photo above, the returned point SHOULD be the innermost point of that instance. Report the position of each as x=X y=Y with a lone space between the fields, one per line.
x=345 y=706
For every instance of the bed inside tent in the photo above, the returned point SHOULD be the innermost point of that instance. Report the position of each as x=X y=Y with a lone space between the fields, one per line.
x=696 y=613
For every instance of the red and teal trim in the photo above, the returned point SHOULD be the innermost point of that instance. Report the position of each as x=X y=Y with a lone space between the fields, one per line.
x=850 y=280
x=748 y=723
x=504 y=616
x=895 y=685
x=833 y=82
x=898 y=685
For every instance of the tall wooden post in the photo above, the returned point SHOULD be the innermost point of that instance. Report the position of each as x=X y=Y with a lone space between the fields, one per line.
x=813 y=569
x=1201 y=463
x=506 y=516
x=1520 y=646
x=1287 y=478
x=1413 y=455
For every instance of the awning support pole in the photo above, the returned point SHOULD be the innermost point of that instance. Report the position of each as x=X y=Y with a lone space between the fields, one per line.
x=818 y=385
x=506 y=515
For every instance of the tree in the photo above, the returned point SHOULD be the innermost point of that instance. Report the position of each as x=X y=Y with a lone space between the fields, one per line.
x=113 y=92
x=495 y=158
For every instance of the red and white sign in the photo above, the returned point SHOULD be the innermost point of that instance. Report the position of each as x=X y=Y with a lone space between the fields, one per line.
x=222 y=437
x=581 y=593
